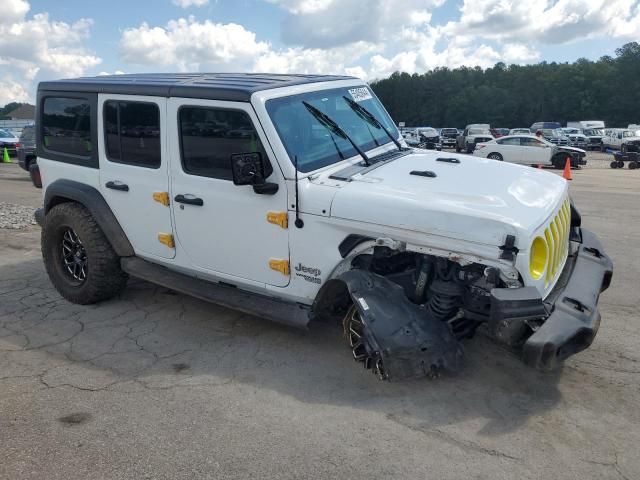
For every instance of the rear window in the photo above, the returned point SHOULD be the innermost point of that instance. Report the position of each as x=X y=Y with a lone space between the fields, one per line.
x=132 y=133
x=66 y=126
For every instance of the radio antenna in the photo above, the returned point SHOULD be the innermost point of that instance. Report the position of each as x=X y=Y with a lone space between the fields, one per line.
x=298 y=223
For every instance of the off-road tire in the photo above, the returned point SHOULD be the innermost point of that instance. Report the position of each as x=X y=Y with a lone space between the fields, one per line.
x=458 y=149
x=104 y=277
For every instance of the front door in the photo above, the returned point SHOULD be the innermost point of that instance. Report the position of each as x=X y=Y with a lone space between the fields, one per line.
x=535 y=152
x=230 y=231
x=134 y=170
x=509 y=149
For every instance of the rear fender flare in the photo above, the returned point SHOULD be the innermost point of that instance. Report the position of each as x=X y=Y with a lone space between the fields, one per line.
x=62 y=191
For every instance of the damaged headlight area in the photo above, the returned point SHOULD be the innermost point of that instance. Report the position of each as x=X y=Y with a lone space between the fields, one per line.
x=405 y=314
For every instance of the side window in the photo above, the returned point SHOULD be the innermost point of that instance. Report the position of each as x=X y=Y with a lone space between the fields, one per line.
x=209 y=136
x=509 y=141
x=132 y=133
x=66 y=126
x=531 y=142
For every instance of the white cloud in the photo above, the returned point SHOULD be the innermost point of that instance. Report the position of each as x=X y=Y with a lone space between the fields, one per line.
x=547 y=22
x=190 y=3
x=40 y=48
x=331 y=23
x=373 y=38
x=303 y=6
x=191 y=45
x=12 y=91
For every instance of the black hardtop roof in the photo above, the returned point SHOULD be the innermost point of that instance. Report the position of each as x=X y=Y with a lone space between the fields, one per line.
x=213 y=86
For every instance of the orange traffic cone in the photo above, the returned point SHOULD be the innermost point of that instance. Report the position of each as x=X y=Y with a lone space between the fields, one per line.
x=567 y=170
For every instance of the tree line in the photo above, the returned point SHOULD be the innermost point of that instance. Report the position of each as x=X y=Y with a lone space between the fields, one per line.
x=8 y=108
x=518 y=95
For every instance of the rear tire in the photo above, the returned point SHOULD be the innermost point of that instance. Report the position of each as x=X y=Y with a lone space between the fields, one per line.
x=495 y=156
x=34 y=173
x=79 y=259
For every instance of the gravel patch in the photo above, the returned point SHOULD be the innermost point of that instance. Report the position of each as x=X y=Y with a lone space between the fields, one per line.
x=16 y=217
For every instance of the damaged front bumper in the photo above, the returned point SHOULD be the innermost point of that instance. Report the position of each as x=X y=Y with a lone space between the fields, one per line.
x=569 y=315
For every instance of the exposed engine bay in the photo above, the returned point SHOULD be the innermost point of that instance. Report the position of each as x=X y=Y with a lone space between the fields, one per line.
x=409 y=312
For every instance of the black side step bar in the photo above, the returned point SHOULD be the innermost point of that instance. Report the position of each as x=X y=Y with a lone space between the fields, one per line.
x=291 y=314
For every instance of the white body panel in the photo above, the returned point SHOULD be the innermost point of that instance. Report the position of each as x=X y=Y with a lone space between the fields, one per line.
x=229 y=233
x=142 y=230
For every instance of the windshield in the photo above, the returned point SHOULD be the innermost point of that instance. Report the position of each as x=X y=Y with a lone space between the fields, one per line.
x=314 y=145
x=446 y=131
x=427 y=131
x=479 y=131
x=6 y=133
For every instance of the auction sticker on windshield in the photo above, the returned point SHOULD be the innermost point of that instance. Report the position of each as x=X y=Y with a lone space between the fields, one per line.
x=360 y=94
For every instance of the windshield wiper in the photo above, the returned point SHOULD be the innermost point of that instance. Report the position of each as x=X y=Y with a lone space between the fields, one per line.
x=333 y=127
x=368 y=117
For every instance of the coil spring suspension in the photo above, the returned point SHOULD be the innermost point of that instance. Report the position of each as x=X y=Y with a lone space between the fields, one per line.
x=444 y=299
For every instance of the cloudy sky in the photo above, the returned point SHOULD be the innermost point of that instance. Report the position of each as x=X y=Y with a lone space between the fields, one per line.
x=44 y=39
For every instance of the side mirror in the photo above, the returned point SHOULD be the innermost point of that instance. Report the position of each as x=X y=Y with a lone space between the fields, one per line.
x=248 y=169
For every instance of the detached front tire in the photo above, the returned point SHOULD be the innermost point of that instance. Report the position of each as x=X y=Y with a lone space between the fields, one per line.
x=79 y=259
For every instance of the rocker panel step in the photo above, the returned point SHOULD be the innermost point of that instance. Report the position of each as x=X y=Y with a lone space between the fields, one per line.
x=258 y=305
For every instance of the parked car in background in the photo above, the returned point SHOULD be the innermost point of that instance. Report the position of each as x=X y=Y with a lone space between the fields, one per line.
x=545 y=126
x=424 y=137
x=635 y=127
x=520 y=131
x=621 y=139
x=555 y=136
x=9 y=141
x=585 y=124
x=530 y=150
x=26 y=149
x=576 y=137
x=473 y=134
x=448 y=137
x=595 y=136
x=499 y=132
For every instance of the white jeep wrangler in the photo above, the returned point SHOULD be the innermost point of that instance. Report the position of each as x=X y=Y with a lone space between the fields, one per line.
x=293 y=198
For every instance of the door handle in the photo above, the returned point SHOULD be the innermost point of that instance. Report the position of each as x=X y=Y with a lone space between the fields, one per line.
x=117 y=186
x=198 y=202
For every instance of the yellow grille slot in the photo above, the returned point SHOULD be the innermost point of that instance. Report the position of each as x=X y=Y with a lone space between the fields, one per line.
x=557 y=236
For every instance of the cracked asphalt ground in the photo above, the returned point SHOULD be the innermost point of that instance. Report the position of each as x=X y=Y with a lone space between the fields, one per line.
x=158 y=385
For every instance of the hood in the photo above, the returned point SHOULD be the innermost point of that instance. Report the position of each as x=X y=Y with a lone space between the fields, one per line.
x=9 y=139
x=476 y=200
x=566 y=148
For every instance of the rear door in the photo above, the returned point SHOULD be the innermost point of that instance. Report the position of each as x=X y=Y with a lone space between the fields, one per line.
x=134 y=177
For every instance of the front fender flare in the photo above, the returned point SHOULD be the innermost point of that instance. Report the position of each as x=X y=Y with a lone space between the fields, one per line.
x=410 y=342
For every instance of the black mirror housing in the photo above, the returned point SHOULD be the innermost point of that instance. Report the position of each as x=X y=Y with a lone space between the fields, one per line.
x=247 y=168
